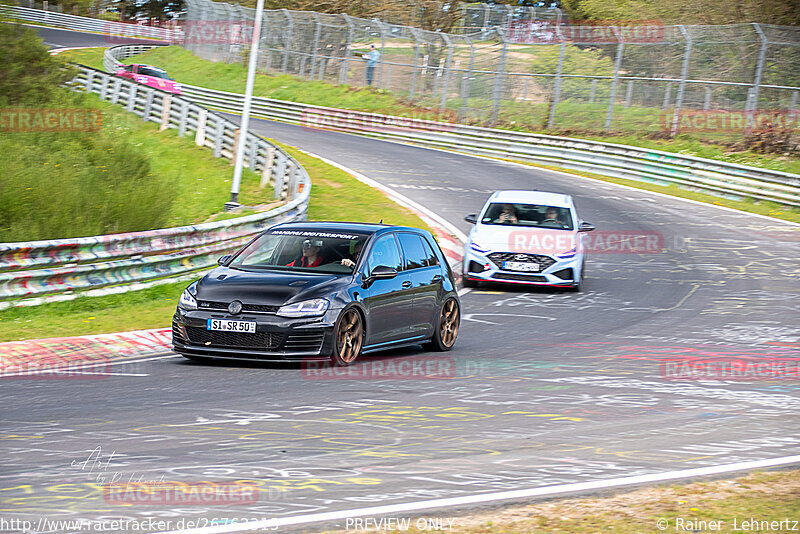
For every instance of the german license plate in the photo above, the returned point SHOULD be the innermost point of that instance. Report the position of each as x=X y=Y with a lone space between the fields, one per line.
x=227 y=325
x=520 y=266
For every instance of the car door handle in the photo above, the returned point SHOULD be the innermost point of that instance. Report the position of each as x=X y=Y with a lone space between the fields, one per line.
x=437 y=278
x=407 y=284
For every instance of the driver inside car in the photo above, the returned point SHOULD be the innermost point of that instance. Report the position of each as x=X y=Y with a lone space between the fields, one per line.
x=351 y=262
x=310 y=257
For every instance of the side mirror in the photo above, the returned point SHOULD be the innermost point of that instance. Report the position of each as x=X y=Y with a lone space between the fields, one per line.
x=382 y=272
x=472 y=218
x=585 y=227
x=224 y=259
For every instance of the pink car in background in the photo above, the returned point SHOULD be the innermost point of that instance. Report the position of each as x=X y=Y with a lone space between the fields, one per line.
x=150 y=76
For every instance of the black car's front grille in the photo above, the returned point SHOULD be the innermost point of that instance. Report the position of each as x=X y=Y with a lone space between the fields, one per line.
x=223 y=306
x=214 y=338
x=208 y=305
x=520 y=277
x=499 y=257
x=258 y=308
x=305 y=341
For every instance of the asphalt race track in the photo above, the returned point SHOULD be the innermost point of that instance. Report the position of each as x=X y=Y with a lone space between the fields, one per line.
x=543 y=387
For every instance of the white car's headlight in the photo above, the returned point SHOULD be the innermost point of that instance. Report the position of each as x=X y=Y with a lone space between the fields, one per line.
x=477 y=247
x=187 y=300
x=307 y=308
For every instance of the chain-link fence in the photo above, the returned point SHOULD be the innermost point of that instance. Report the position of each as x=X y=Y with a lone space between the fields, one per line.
x=540 y=74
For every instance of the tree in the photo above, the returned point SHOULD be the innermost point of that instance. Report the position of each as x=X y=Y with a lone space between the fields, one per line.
x=150 y=10
x=28 y=73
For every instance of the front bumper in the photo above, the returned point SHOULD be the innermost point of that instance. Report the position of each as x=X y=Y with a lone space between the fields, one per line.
x=276 y=338
x=562 y=273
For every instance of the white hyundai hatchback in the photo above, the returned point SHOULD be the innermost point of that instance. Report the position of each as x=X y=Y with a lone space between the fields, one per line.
x=526 y=237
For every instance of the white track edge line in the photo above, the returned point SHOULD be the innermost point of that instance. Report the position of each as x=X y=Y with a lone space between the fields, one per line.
x=495 y=496
x=571 y=175
x=394 y=195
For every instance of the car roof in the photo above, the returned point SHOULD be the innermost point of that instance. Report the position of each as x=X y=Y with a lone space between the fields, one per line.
x=148 y=66
x=532 y=197
x=336 y=226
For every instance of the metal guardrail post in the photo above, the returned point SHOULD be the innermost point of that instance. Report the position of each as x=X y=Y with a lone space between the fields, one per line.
x=498 y=78
x=615 y=80
x=382 y=26
x=166 y=105
x=415 y=33
x=280 y=175
x=344 y=69
x=447 y=69
x=317 y=31
x=219 y=137
x=289 y=38
x=202 y=123
x=466 y=80
x=183 y=120
x=762 y=56
x=132 y=98
x=115 y=91
x=266 y=172
x=687 y=54
x=148 y=104
x=557 y=83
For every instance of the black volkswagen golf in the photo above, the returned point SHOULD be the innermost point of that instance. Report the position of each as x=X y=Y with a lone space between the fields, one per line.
x=321 y=290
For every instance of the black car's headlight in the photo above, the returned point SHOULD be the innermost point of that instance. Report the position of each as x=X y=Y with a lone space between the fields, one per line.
x=306 y=308
x=187 y=300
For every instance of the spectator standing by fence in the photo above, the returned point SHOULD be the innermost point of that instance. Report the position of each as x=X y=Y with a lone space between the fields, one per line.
x=372 y=58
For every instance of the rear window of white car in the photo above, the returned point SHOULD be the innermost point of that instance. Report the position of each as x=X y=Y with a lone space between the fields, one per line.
x=529 y=215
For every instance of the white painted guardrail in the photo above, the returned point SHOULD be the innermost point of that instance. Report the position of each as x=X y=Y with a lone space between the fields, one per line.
x=86 y=24
x=35 y=272
x=606 y=159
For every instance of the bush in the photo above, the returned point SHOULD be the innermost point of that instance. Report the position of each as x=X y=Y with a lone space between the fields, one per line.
x=29 y=74
x=58 y=185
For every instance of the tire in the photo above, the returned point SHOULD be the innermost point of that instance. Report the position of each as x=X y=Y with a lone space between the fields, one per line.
x=446 y=330
x=348 y=338
x=577 y=287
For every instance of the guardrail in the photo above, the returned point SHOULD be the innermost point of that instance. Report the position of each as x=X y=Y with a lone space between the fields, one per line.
x=86 y=24
x=607 y=159
x=42 y=271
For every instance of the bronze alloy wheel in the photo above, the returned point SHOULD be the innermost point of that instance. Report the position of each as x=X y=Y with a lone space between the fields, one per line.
x=448 y=323
x=349 y=335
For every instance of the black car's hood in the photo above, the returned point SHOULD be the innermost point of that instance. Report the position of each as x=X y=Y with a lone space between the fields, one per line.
x=271 y=288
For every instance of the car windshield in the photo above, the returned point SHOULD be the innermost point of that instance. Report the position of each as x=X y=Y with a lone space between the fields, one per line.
x=529 y=215
x=152 y=71
x=303 y=250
